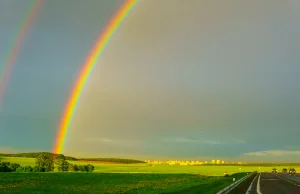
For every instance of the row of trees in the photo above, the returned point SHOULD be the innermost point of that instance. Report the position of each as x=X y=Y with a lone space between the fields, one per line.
x=46 y=163
x=35 y=155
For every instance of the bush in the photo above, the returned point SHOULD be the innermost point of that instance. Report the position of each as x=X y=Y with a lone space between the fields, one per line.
x=24 y=169
x=86 y=168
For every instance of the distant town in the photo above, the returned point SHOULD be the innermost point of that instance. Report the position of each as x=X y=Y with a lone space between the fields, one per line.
x=181 y=162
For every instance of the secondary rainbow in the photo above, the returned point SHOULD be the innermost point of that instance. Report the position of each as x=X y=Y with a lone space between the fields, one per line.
x=87 y=68
x=13 y=52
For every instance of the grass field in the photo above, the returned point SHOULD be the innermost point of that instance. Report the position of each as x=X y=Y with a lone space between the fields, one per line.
x=216 y=170
x=131 y=178
x=110 y=183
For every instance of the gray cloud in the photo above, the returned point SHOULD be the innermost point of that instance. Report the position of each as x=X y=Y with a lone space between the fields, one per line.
x=273 y=153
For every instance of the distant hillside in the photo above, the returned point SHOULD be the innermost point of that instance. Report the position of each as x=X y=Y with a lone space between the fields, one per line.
x=116 y=160
x=33 y=155
x=36 y=154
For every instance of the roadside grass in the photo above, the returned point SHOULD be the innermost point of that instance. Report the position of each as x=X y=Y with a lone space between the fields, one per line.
x=69 y=182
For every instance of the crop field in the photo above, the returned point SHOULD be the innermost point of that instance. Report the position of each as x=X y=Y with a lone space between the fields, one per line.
x=214 y=170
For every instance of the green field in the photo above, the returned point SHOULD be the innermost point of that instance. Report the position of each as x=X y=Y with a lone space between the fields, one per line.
x=208 y=170
x=131 y=178
x=110 y=183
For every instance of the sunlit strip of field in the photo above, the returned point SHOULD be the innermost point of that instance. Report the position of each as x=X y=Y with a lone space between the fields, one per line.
x=216 y=170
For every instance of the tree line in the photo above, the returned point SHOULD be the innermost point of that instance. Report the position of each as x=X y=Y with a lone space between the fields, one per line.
x=45 y=162
x=117 y=160
x=36 y=154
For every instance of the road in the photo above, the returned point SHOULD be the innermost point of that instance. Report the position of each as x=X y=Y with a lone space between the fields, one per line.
x=268 y=183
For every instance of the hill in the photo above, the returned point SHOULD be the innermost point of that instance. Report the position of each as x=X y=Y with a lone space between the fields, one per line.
x=33 y=155
x=113 y=160
x=36 y=154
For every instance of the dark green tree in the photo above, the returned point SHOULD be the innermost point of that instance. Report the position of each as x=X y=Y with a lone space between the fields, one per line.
x=73 y=167
x=90 y=168
x=45 y=161
x=28 y=169
x=4 y=167
x=24 y=169
x=86 y=168
x=13 y=167
x=82 y=168
x=38 y=169
x=20 y=169
x=62 y=165
x=60 y=157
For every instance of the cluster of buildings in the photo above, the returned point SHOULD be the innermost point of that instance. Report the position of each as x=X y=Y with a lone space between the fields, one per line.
x=173 y=162
x=179 y=162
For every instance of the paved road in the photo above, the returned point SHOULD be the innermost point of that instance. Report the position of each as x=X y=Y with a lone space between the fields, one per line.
x=268 y=183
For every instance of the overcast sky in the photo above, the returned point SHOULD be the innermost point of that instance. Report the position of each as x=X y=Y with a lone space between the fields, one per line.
x=190 y=79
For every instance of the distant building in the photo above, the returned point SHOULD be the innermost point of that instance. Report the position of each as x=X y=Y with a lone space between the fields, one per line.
x=218 y=161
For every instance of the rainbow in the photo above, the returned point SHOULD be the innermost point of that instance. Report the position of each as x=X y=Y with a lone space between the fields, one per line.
x=86 y=70
x=16 y=46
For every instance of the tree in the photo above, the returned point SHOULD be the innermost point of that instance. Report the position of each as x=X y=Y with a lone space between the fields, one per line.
x=73 y=167
x=24 y=169
x=4 y=167
x=38 y=169
x=86 y=168
x=46 y=161
x=90 y=168
x=13 y=167
x=82 y=168
x=27 y=169
x=20 y=169
x=62 y=165
x=61 y=157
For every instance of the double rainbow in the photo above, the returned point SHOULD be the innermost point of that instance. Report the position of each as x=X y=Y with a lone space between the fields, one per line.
x=11 y=58
x=87 y=68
